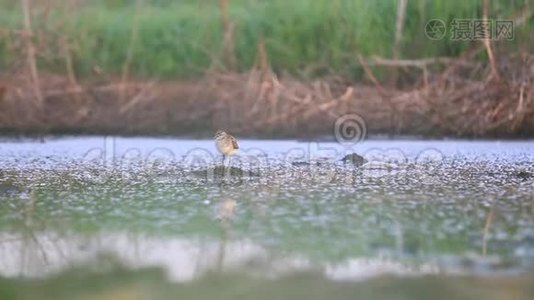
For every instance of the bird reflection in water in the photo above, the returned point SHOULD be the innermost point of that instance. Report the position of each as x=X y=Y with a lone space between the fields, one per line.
x=225 y=215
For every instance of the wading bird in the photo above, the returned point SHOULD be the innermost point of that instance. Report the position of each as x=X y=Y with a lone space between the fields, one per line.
x=226 y=144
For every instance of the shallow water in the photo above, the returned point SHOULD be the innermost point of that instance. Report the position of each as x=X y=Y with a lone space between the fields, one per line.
x=421 y=211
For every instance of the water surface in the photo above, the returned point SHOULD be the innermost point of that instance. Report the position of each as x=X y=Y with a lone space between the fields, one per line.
x=417 y=214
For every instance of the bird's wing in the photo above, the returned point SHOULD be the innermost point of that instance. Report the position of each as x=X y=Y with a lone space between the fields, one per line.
x=234 y=143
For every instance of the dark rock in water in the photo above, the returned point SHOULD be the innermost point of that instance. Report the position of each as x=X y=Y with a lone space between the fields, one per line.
x=221 y=171
x=354 y=159
x=523 y=175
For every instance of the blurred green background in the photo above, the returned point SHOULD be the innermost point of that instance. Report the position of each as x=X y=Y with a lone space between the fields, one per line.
x=185 y=38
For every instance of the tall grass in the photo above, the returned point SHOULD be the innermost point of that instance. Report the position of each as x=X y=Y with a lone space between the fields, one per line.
x=183 y=39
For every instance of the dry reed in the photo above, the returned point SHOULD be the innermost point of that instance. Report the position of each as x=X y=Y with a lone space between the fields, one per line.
x=260 y=102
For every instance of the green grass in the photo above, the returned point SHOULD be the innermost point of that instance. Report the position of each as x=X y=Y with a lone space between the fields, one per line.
x=180 y=39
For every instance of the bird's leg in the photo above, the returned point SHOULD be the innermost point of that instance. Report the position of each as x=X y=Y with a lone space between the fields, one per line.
x=222 y=160
x=229 y=165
